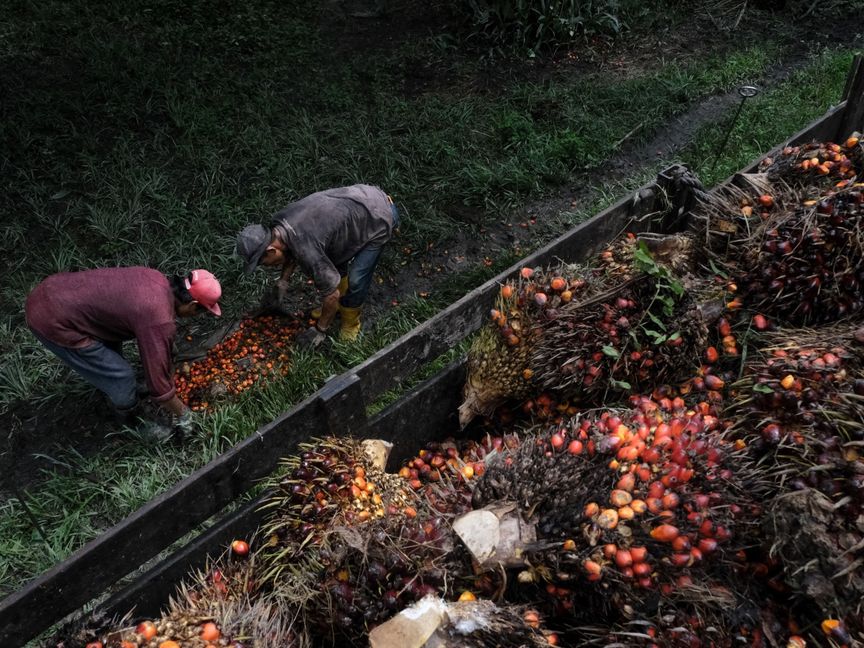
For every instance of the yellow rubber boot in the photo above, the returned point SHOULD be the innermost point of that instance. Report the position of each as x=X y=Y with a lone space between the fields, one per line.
x=342 y=287
x=350 y=328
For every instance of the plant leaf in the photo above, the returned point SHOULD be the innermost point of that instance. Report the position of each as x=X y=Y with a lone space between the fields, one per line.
x=611 y=351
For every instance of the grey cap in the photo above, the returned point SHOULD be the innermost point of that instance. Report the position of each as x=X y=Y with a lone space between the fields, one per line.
x=252 y=242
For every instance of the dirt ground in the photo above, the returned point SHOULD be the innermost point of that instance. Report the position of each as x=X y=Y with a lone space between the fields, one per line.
x=30 y=435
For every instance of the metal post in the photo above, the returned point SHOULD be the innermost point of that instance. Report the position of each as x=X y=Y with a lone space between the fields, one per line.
x=746 y=92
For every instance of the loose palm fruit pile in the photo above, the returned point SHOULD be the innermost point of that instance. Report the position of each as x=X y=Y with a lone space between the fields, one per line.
x=634 y=319
x=257 y=350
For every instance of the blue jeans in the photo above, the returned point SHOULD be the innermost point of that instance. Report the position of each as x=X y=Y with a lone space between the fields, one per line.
x=102 y=367
x=362 y=268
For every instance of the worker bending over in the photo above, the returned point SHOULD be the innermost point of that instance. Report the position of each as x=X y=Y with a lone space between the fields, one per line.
x=335 y=237
x=84 y=317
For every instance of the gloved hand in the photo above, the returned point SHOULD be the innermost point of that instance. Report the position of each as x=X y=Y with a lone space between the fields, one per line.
x=311 y=338
x=183 y=425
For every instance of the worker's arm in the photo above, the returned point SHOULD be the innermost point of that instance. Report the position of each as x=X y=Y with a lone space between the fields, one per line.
x=287 y=270
x=329 y=307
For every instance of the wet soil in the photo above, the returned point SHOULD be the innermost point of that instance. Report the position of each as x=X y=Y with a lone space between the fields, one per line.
x=31 y=436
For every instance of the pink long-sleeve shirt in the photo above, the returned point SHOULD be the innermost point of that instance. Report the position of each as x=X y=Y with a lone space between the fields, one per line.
x=74 y=309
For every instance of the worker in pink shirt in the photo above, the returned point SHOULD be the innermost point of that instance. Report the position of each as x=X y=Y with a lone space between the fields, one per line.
x=84 y=318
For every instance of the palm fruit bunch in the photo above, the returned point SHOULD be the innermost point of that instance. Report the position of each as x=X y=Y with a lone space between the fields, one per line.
x=257 y=349
x=805 y=263
x=800 y=411
x=633 y=318
x=348 y=544
x=817 y=164
x=644 y=501
x=444 y=472
x=794 y=249
x=221 y=606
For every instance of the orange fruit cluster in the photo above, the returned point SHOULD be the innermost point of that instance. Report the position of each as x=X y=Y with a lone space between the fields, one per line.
x=257 y=349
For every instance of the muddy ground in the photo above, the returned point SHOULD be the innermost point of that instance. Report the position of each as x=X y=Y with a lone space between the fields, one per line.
x=33 y=437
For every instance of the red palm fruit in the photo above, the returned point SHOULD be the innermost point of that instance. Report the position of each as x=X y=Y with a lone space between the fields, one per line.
x=714 y=382
x=707 y=545
x=724 y=327
x=642 y=569
x=623 y=558
x=575 y=447
x=557 y=441
x=592 y=568
x=681 y=543
x=670 y=501
x=558 y=284
x=526 y=273
x=639 y=554
x=651 y=455
x=620 y=498
x=506 y=291
x=591 y=509
x=656 y=489
x=680 y=559
x=627 y=483
x=665 y=533
x=760 y=322
x=696 y=553
x=540 y=299
x=654 y=504
x=609 y=550
x=608 y=519
x=639 y=506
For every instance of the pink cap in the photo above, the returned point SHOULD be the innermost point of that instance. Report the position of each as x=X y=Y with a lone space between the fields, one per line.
x=205 y=290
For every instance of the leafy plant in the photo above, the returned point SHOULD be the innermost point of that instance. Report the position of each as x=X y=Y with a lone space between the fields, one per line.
x=534 y=25
x=668 y=290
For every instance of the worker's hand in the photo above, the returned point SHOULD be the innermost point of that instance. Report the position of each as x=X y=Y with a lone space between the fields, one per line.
x=311 y=338
x=183 y=425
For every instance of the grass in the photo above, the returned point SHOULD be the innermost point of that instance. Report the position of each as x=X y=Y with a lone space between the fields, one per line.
x=770 y=119
x=151 y=137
